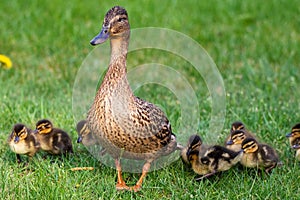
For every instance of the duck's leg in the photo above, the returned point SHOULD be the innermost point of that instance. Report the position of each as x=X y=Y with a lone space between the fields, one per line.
x=18 y=158
x=138 y=184
x=206 y=175
x=121 y=185
x=269 y=169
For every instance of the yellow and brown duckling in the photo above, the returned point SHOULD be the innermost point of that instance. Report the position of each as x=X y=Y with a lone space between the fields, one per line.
x=209 y=160
x=236 y=139
x=125 y=125
x=23 y=141
x=87 y=138
x=258 y=155
x=238 y=133
x=294 y=134
x=52 y=140
x=294 y=139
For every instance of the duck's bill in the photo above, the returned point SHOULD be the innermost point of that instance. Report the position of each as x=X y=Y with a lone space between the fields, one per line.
x=79 y=140
x=17 y=139
x=288 y=135
x=229 y=142
x=101 y=37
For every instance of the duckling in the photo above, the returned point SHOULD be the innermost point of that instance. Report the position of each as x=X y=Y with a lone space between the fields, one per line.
x=258 y=155
x=125 y=125
x=294 y=134
x=296 y=146
x=235 y=129
x=209 y=160
x=52 y=140
x=235 y=142
x=86 y=137
x=22 y=141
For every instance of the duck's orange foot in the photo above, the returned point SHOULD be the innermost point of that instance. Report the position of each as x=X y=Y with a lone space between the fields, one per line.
x=122 y=186
x=136 y=188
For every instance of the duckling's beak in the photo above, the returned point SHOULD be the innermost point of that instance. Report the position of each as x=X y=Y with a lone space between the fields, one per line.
x=101 y=37
x=288 y=135
x=230 y=142
x=188 y=152
x=296 y=146
x=79 y=139
x=16 y=140
x=35 y=131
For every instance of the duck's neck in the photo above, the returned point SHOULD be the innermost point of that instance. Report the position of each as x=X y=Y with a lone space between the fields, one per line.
x=119 y=49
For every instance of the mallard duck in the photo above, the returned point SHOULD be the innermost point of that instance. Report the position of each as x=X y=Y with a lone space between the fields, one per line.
x=22 y=141
x=125 y=125
x=294 y=134
x=208 y=160
x=238 y=133
x=258 y=155
x=52 y=140
x=296 y=146
x=87 y=138
x=235 y=142
x=294 y=139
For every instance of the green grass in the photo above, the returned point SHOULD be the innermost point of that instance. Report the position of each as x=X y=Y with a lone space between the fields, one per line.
x=254 y=44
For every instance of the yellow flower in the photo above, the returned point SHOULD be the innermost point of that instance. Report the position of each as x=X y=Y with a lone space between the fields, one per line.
x=5 y=61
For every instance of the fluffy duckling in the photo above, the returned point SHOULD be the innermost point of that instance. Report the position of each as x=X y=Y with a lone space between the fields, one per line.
x=209 y=160
x=258 y=155
x=22 y=141
x=125 y=125
x=294 y=134
x=236 y=139
x=294 y=139
x=296 y=146
x=238 y=133
x=52 y=140
x=86 y=137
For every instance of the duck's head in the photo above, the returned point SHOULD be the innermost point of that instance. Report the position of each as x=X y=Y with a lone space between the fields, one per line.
x=43 y=126
x=115 y=25
x=237 y=137
x=237 y=126
x=194 y=145
x=249 y=145
x=295 y=133
x=82 y=130
x=20 y=132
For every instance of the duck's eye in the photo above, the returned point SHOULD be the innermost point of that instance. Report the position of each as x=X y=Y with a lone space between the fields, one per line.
x=121 y=19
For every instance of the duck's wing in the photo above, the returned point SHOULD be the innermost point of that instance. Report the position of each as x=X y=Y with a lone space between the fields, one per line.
x=152 y=122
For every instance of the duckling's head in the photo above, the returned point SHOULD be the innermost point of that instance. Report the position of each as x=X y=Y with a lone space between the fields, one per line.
x=237 y=126
x=295 y=132
x=237 y=137
x=82 y=130
x=20 y=132
x=115 y=25
x=249 y=145
x=194 y=145
x=44 y=126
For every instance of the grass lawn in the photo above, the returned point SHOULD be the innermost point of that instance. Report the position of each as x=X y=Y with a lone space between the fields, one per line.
x=254 y=44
